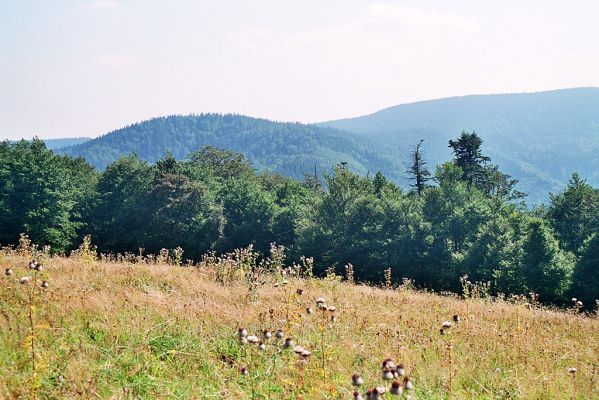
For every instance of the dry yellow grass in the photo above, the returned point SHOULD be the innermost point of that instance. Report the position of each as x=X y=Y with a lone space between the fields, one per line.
x=106 y=330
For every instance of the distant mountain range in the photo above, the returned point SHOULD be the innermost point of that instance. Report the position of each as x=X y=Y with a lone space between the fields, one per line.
x=538 y=138
x=292 y=149
x=55 y=144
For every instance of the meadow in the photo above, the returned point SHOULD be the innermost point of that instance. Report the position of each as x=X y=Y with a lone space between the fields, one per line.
x=125 y=327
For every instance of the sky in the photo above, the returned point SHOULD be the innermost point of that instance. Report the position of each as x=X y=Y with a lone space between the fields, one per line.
x=84 y=68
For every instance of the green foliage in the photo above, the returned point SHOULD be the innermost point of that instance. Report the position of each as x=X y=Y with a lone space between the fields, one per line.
x=585 y=279
x=574 y=213
x=214 y=202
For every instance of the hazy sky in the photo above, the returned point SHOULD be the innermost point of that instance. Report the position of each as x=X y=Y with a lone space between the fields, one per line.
x=83 y=68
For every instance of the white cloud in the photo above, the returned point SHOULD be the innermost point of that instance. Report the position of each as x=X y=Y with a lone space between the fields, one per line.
x=112 y=60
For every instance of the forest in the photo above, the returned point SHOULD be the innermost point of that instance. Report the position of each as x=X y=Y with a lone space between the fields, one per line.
x=464 y=219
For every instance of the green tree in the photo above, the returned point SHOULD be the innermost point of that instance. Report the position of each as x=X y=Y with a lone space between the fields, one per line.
x=420 y=175
x=574 y=213
x=585 y=279
x=545 y=268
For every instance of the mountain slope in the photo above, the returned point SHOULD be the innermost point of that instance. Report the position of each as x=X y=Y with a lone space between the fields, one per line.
x=55 y=144
x=539 y=138
x=289 y=148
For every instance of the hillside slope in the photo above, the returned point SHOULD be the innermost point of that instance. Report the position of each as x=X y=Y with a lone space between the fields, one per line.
x=539 y=138
x=148 y=331
x=289 y=148
x=55 y=144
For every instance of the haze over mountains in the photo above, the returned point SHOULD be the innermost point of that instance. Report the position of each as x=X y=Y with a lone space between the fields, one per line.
x=538 y=138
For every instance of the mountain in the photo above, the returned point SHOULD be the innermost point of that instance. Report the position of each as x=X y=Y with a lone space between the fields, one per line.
x=539 y=138
x=288 y=148
x=55 y=144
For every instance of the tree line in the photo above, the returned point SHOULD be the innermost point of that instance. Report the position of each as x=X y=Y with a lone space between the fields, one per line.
x=464 y=218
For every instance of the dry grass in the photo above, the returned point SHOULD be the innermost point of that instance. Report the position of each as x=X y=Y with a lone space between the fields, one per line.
x=105 y=330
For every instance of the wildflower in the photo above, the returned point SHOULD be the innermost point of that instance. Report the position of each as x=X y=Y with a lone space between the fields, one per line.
x=400 y=370
x=306 y=354
x=320 y=300
x=24 y=280
x=579 y=303
x=396 y=389
x=276 y=284
x=446 y=325
x=369 y=394
x=44 y=284
x=261 y=346
x=285 y=282
x=32 y=264
x=243 y=371
x=288 y=343
x=387 y=374
x=8 y=272
x=322 y=306
x=299 y=292
x=407 y=383
x=356 y=380
x=267 y=334
x=358 y=396
x=572 y=370
x=38 y=267
x=242 y=332
x=309 y=310
x=333 y=319
x=243 y=340
x=574 y=299
x=332 y=308
x=456 y=318
x=253 y=339
x=279 y=334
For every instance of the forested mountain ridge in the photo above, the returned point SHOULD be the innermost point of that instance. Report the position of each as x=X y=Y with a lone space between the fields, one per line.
x=539 y=138
x=292 y=149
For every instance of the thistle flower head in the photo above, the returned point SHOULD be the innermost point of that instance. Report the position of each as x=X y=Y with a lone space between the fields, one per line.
x=24 y=280
x=401 y=371
x=309 y=310
x=387 y=374
x=243 y=371
x=456 y=318
x=358 y=396
x=38 y=267
x=407 y=383
x=261 y=346
x=279 y=334
x=242 y=332
x=298 y=349
x=572 y=370
x=8 y=272
x=288 y=343
x=388 y=363
x=396 y=389
x=446 y=325
x=267 y=334
x=320 y=300
x=579 y=303
x=332 y=308
x=253 y=339
x=299 y=292
x=356 y=380
x=44 y=284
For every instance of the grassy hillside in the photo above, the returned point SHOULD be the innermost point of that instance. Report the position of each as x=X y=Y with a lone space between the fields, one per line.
x=539 y=138
x=288 y=148
x=107 y=329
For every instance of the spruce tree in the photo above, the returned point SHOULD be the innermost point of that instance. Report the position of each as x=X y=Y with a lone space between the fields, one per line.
x=420 y=175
